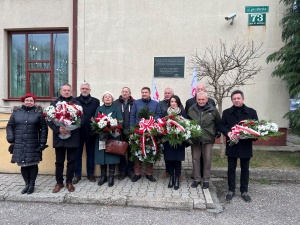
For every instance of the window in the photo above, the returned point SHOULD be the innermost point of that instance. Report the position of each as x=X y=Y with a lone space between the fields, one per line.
x=38 y=63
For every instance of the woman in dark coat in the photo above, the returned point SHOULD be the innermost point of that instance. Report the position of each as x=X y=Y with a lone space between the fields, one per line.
x=101 y=157
x=174 y=155
x=27 y=132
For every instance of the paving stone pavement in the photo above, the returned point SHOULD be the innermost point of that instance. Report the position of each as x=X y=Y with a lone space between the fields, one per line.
x=142 y=193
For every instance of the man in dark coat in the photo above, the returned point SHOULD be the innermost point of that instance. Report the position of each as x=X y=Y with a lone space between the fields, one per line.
x=63 y=146
x=243 y=149
x=124 y=103
x=164 y=105
x=89 y=105
x=138 y=105
x=192 y=101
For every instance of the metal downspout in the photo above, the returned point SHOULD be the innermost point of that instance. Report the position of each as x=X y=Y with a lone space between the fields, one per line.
x=74 y=48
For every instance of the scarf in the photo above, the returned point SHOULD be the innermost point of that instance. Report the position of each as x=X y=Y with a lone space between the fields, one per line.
x=173 y=110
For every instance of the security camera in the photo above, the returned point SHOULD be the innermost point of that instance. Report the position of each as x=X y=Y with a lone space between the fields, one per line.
x=231 y=16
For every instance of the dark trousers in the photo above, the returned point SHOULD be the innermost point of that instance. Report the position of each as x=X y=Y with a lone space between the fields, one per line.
x=59 y=164
x=173 y=167
x=126 y=166
x=244 y=181
x=90 y=165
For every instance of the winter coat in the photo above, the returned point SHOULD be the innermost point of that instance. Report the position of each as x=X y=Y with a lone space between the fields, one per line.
x=164 y=105
x=192 y=101
x=27 y=129
x=101 y=157
x=89 y=105
x=74 y=140
x=125 y=109
x=141 y=103
x=208 y=119
x=243 y=149
x=175 y=153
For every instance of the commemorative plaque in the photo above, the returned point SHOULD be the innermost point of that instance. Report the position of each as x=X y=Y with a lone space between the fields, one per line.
x=169 y=67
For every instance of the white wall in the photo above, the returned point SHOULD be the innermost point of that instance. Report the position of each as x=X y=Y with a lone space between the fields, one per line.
x=118 y=40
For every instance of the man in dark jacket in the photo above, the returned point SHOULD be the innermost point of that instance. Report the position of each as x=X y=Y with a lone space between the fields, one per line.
x=124 y=103
x=63 y=146
x=138 y=105
x=207 y=116
x=89 y=105
x=192 y=101
x=164 y=105
x=243 y=149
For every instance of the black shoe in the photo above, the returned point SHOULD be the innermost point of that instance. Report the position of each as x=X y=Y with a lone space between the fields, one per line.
x=103 y=179
x=76 y=180
x=31 y=187
x=195 y=184
x=246 y=197
x=122 y=176
x=111 y=180
x=171 y=182
x=176 y=183
x=25 y=188
x=205 y=185
x=151 y=178
x=136 y=178
x=229 y=196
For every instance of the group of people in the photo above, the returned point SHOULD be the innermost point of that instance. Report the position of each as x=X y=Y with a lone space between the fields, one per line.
x=27 y=132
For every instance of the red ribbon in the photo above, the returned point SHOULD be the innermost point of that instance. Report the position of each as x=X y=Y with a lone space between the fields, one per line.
x=237 y=129
x=160 y=124
x=173 y=122
x=147 y=125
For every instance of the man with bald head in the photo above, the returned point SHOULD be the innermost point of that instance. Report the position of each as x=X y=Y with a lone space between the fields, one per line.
x=191 y=101
x=164 y=104
x=207 y=116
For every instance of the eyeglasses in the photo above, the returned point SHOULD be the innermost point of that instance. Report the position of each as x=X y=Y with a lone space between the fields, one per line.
x=85 y=89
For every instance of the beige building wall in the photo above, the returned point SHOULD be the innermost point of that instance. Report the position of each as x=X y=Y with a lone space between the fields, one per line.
x=118 y=40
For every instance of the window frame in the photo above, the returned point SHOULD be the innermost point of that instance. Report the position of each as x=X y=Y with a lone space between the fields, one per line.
x=51 y=70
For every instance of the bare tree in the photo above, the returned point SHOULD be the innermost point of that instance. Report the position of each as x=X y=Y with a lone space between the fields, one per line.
x=223 y=69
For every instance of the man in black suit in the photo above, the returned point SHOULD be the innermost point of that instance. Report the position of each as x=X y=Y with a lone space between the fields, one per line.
x=242 y=149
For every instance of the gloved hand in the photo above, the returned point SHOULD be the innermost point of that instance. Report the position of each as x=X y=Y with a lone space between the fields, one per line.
x=11 y=149
x=41 y=147
x=218 y=134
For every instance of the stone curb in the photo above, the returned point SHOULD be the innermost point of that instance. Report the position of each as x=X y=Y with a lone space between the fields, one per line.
x=78 y=198
x=266 y=174
x=36 y=197
x=161 y=203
